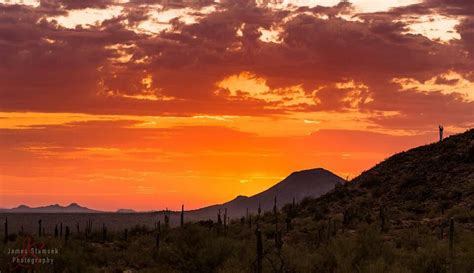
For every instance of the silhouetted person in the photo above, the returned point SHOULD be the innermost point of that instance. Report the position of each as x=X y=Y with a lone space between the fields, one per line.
x=441 y=128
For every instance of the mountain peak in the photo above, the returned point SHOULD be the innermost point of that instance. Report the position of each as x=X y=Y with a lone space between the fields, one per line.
x=298 y=185
x=312 y=171
x=240 y=197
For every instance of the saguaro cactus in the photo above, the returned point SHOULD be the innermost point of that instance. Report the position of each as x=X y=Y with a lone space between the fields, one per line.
x=56 y=231
x=158 y=234
x=275 y=208
x=219 y=219
x=346 y=219
x=277 y=230
x=290 y=215
x=88 y=226
x=225 y=219
x=247 y=217
x=441 y=129
x=5 y=239
x=259 y=212
x=77 y=228
x=250 y=221
x=293 y=208
x=157 y=243
x=288 y=223
x=167 y=217
x=320 y=234
x=61 y=230
x=66 y=237
x=104 y=232
x=258 y=233
x=182 y=215
x=278 y=240
x=39 y=228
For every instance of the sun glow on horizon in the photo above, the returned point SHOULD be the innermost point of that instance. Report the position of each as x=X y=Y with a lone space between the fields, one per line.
x=156 y=162
x=114 y=104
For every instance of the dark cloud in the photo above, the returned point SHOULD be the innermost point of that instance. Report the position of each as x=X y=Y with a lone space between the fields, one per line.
x=443 y=80
x=76 y=4
x=461 y=9
x=419 y=110
x=343 y=7
x=49 y=68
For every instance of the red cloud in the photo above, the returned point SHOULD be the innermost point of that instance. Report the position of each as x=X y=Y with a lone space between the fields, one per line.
x=49 y=68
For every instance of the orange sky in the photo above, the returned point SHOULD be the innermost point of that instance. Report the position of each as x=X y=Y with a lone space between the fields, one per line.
x=119 y=104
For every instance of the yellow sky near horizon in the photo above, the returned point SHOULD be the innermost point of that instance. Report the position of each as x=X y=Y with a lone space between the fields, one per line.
x=147 y=106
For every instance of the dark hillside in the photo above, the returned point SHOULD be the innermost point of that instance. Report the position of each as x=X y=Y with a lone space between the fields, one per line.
x=423 y=182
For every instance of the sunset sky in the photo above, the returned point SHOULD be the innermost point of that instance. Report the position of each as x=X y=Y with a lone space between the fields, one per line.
x=148 y=104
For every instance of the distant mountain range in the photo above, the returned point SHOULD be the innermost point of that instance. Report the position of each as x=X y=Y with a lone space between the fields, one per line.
x=72 y=208
x=307 y=183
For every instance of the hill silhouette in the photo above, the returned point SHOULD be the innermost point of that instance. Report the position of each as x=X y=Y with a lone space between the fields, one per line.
x=423 y=182
x=298 y=185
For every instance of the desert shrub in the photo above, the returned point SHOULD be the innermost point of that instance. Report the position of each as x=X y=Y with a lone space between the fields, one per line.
x=369 y=182
x=299 y=258
x=369 y=246
x=398 y=268
x=378 y=266
x=193 y=250
x=341 y=191
x=460 y=214
x=343 y=248
x=318 y=213
x=409 y=240
x=324 y=261
x=464 y=252
x=71 y=259
x=138 y=230
x=433 y=259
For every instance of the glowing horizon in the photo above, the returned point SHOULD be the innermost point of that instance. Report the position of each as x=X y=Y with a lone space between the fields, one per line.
x=123 y=104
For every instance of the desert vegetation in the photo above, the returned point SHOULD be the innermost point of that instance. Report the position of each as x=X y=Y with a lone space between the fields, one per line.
x=295 y=239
